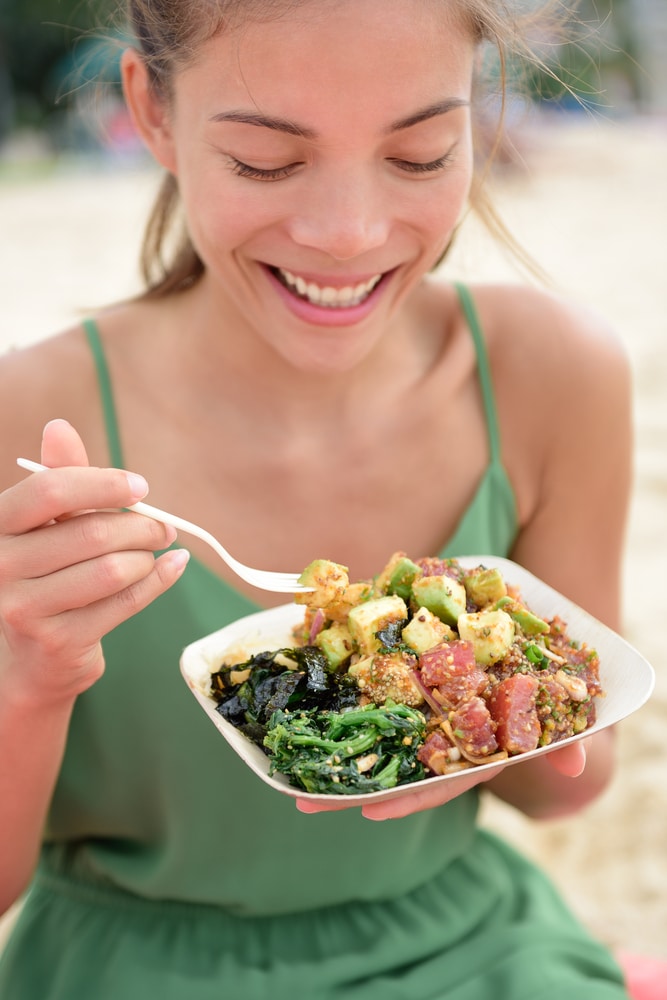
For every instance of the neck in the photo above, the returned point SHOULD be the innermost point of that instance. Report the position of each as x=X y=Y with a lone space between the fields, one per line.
x=252 y=376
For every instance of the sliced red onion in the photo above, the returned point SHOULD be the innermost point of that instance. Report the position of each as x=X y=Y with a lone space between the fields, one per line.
x=428 y=697
x=317 y=625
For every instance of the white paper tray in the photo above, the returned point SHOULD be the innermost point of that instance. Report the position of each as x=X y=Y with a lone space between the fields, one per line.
x=626 y=677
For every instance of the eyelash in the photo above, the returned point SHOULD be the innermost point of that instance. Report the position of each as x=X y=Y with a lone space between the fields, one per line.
x=279 y=173
x=424 y=168
x=258 y=174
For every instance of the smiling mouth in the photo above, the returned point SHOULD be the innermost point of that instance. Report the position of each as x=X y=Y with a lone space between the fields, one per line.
x=326 y=296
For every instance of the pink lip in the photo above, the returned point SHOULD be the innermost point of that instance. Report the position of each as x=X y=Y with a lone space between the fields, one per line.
x=322 y=315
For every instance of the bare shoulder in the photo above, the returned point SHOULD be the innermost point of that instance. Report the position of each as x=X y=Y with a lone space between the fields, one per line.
x=49 y=379
x=536 y=325
x=553 y=349
x=562 y=382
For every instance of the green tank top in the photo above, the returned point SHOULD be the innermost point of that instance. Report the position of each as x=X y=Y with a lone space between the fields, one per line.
x=151 y=799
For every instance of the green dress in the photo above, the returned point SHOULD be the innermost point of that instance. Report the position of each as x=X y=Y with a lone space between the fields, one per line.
x=169 y=869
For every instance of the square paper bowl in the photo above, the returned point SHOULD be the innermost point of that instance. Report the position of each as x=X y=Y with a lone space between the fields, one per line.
x=626 y=677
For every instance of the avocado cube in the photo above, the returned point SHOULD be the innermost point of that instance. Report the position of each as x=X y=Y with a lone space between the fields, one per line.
x=442 y=595
x=336 y=643
x=528 y=622
x=403 y=575
x=366 y=619
x=328 y=580
x=490 y=632
x=484 y=586
x=425 y=631
x=399 y=571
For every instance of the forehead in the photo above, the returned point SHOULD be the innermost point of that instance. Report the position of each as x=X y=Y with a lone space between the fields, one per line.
x=326 y=50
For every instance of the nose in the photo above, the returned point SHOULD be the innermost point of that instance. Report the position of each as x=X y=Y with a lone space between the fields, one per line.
x=344 y=218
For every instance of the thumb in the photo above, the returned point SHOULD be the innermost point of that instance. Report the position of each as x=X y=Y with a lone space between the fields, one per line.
x=62 y=445
x=570 y=760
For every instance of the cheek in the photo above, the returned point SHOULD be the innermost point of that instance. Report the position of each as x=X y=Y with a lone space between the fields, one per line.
x=214 y=213
x=444 y=210
x=443 y=215
x=444 y=203
x=218 y=219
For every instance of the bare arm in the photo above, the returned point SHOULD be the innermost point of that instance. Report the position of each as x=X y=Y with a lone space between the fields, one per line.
x=574 y=540
x=33 y=740
x=65 y=581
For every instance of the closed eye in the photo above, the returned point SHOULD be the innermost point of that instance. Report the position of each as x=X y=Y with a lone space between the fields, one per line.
x=261 y=173
x=411 y=167
x=242 y=169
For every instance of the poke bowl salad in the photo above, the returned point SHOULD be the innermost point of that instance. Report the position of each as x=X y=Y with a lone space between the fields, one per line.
x=433 y=667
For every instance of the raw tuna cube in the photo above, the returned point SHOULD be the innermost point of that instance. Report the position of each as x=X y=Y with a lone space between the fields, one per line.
x=474 y=728
x=513 y=707
x=452 y=670
x=435 y=753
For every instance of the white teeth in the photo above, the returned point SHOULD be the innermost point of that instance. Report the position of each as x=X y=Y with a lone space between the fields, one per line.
x=332 y=298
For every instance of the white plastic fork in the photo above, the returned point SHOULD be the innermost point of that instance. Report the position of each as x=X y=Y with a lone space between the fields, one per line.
x=279 y=583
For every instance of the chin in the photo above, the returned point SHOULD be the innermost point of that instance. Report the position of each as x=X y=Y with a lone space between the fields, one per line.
x=328 y=356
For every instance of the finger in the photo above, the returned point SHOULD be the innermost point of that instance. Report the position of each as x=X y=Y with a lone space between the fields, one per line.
x=95 y=603
x=61 y=445
x=414 y=800
x=103 y=616
x=428 y=798
x=53 y=493
x=53 y=547
x=569 y=760
x=306 y=806
x=75 y=586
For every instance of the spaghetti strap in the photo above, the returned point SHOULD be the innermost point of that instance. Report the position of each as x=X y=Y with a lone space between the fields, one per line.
x=106 y=393
x=488 y=395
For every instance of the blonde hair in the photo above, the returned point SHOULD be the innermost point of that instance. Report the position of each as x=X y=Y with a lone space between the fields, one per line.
x=168 y=34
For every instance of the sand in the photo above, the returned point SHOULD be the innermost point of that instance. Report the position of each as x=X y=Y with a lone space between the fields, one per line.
x=589 y=201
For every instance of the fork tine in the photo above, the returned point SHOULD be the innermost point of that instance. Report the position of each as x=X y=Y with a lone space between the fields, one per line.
x=278 y=586
x=279 y=583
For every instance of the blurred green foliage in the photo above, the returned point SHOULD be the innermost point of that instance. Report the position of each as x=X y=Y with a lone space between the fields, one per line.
x=38 y=39
x=49 y=47
x=599 y=63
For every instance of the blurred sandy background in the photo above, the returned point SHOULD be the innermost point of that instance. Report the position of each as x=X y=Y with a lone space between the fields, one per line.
x=589 y=201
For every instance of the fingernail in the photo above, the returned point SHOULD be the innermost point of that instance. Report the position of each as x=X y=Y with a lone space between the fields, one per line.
x=582 y=762
x=373 y=816
x=179 y=559
x=138 y=486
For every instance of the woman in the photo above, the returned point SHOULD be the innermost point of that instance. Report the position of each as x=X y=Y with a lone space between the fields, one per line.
x=295 y=380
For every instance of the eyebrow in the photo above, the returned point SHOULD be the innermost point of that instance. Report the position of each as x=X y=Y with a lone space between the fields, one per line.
x=265 y=121
x=431 y=111
x=304 y=132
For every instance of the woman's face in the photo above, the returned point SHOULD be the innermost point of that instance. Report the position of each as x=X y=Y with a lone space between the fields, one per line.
x=324 y=159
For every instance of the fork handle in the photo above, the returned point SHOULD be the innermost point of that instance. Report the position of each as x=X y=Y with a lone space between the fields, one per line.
x=192 y=529
x=145 y=508
x=158 y=515
x=162 y=515
x=31 y=466
x=275 y=582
